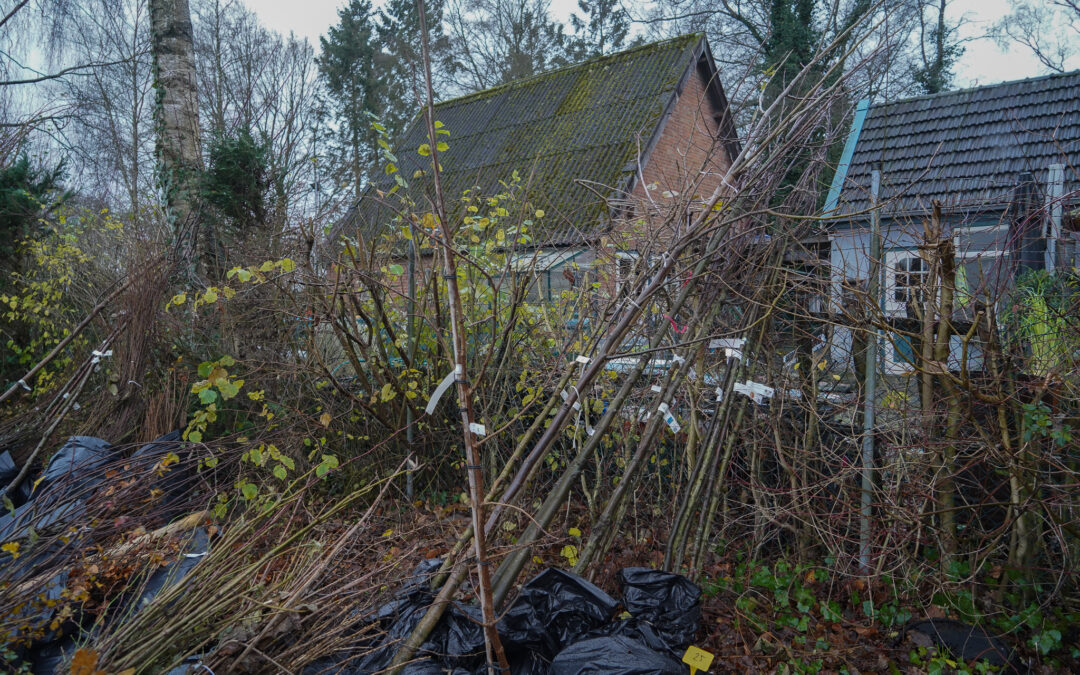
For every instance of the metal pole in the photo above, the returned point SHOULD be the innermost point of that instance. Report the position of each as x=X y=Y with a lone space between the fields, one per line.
x=870 y=384
x=1054 y=188
x=411 y=328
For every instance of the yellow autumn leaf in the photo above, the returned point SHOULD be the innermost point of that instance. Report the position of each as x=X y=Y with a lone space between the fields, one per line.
x=574 y=532
x=570 y=552
x=324 y=419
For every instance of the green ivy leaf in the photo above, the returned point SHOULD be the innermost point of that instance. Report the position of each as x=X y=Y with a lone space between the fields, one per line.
x=195 y=437
x=424 y=150
x=207 y=396
x=280 y=472
x=249 y=490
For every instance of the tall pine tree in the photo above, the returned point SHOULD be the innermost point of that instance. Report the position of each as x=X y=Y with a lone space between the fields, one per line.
x=602 y=28
x=398 y=65
x=348 y=66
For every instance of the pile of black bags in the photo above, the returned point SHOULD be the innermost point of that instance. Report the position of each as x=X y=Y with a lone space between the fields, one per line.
x=559 y=624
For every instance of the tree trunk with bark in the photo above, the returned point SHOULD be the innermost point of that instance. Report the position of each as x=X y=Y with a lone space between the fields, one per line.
x=176 y=117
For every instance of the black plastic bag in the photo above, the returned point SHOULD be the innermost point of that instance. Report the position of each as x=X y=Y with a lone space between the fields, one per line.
x=641 y=631
x=8 y=471
x=73 y=464
x=554 y=610
x=614 y=655
x=967 y=642
x=174 y=484
x=57 y=497
x=669 y=602
x=194 y=549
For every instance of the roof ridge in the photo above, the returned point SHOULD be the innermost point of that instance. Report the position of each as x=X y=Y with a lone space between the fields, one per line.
x=687 y=37
x=967 y=90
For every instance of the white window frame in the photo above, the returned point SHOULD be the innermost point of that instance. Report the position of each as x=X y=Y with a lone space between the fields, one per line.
x=892 y=306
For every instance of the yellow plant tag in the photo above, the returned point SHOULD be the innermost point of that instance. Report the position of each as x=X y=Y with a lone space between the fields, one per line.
x=697 y=659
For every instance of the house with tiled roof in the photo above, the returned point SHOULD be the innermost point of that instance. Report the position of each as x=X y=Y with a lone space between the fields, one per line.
x=591 y=143
x=1002 y=161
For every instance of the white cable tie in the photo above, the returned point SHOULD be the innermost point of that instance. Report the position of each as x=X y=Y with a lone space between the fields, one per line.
x=477 y=428
x=719 y=394
x=439 y=391
x=565 y=396
x=755 y=390
x=672 y=423
x=24 y=385
x=103 y=354
x=67 y=395
x=581 y=358
x=656 y=388
x=75 y=406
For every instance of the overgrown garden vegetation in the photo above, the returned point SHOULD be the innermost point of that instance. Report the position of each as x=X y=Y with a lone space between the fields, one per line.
x=593 y=430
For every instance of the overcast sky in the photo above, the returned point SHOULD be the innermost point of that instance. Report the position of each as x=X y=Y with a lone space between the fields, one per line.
x=983 y=61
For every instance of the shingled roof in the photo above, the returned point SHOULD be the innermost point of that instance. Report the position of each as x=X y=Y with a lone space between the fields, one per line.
x=574 y=134
x=965 y=148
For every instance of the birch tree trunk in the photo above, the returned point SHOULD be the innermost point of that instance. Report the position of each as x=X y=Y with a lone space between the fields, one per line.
x=176 y=117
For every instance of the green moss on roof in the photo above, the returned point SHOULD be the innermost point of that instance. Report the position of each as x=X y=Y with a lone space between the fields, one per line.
x=575 y=130
x=680 y=42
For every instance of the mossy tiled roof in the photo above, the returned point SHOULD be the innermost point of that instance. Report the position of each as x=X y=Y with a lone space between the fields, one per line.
x=576 y=131
x=966 y=148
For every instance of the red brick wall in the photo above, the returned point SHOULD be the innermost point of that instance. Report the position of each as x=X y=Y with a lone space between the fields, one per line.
x=687 y=144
